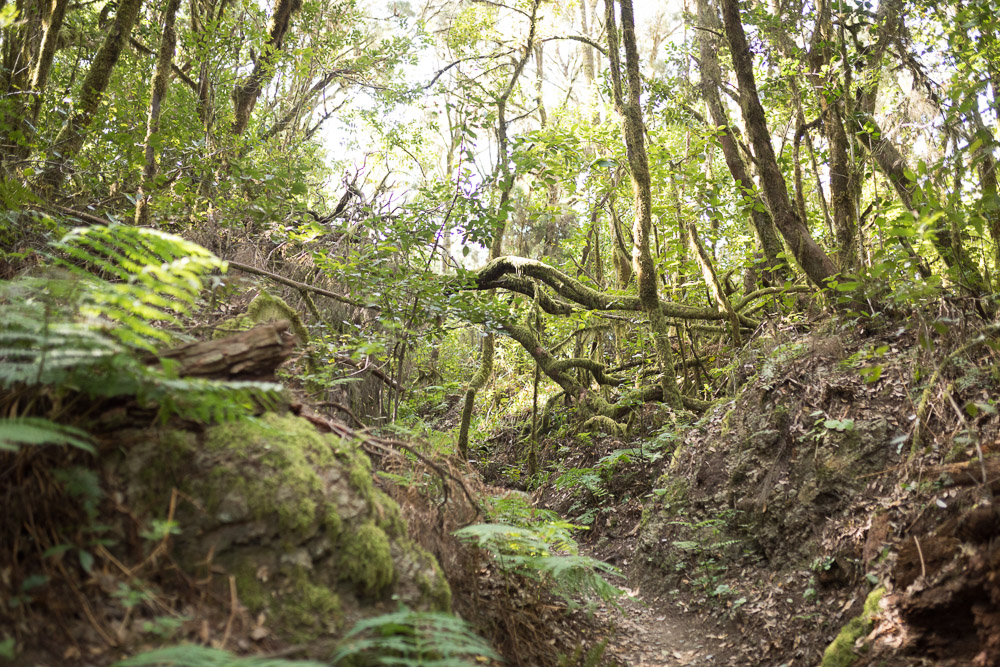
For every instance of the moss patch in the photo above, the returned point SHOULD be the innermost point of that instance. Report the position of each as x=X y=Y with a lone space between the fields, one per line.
x=367 y=559
x=288 y=451
x=308 y=610
x=264 y=308
x=840 y=652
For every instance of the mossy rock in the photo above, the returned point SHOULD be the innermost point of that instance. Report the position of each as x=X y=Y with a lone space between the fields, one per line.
x=292 y=514
x=264 y=308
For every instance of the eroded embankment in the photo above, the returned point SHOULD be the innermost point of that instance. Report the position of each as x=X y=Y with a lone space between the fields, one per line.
x=787 y=508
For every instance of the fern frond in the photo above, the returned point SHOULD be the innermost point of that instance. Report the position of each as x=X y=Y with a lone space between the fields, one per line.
x=202 y=656
x=83 y=333
x=36 y=431
x=534 y=554
x=156 y=277
x=405 y=638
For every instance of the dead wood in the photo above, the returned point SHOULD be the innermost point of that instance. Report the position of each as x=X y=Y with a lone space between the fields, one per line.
x=248 y=355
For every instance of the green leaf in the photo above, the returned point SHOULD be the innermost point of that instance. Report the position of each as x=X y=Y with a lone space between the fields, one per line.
x=86 y=561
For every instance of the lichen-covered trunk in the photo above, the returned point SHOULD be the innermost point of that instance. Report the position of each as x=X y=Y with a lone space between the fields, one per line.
x=711 y=79
x=630 y=111
x=71 y=136
x=817 y=266
x=42 y=66
x=158 y=92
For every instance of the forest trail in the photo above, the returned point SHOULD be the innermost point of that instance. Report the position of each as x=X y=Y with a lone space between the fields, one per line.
x=651 y=633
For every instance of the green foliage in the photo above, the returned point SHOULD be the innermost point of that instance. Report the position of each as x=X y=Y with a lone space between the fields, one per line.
x=535 y=553
x=202 y=656
x=411 y=639
x=36 y=431
x=86 y=329
x=137 y=278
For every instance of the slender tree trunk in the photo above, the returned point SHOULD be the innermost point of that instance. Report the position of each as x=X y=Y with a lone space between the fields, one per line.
x=70 y=139
x=708 y=273
x=892 y=163
x=482 y=376
x=810 y=256
x=830 y=96
x=157 y=93
x=630 y=111
x=40 y=72
x=246 y=94
x=711 y=79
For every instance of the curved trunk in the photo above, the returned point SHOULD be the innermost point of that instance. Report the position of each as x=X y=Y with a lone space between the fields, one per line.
x=245 y=95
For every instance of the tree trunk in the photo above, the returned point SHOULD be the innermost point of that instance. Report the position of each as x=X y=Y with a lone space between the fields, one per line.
x=842 y=177
x=630 y=111
x=70 y=139
x=481 y=376
x=157 y=93
x=245 y=95
x=711 y=79
x=817 y=266
x=40 y=72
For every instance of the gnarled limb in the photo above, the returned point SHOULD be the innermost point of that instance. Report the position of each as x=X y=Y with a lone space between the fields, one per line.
x=507 y=272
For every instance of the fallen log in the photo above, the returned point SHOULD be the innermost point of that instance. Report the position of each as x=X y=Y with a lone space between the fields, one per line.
x=247 y=355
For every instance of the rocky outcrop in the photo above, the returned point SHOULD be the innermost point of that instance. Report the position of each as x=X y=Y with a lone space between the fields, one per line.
x=289 y=514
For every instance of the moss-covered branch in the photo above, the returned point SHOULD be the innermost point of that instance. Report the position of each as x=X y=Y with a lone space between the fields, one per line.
x=507 y=272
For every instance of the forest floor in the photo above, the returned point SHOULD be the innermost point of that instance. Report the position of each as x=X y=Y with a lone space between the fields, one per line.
x=650 y=632
x=756 y=535
x=800 y=511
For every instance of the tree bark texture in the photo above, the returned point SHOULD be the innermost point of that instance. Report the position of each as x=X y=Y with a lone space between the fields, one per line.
x=250 y=355
x=43 y=64
x=814 y=262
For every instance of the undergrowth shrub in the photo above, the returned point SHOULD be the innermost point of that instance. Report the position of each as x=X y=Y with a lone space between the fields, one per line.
x=542 y=548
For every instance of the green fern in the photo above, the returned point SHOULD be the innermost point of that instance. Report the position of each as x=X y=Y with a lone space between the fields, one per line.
x=37 y=431
x=136 y=277
x=202 y=656
x=411 y=638
x=534 y=554
x=84 y=328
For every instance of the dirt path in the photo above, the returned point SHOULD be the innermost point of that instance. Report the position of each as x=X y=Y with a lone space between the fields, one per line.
x=650 y=633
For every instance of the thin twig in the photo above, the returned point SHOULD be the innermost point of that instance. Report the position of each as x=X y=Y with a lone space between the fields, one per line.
x=246 y=268
x=920 y=552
